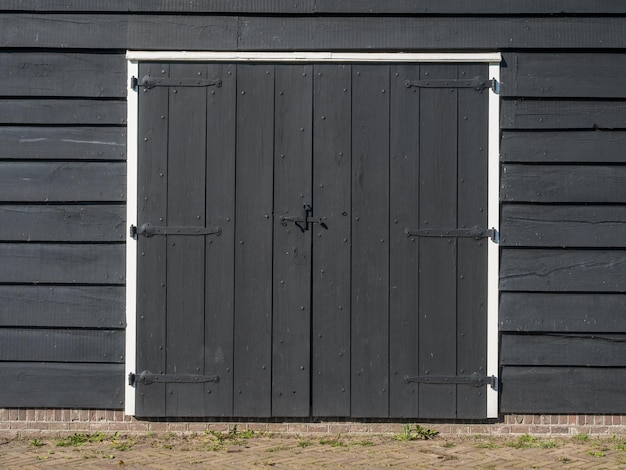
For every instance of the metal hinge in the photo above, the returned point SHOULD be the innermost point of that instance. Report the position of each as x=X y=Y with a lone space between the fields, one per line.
x=477 y=83
x=149 y=230
x=473 y=232
x=148 y=378
x=475 y=380
x=149 y=82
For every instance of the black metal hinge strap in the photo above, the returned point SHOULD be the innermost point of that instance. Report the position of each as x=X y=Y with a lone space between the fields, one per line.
x=152 y=82
x=477 y=83
x=473 y=232
x=149 y=230
x=475 y=380
x=148 y=378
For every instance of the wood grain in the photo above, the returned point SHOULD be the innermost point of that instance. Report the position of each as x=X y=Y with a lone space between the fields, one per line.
x=58 y=385
x=563 y=270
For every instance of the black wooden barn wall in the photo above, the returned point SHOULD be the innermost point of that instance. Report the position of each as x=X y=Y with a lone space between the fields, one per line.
x=563 y=179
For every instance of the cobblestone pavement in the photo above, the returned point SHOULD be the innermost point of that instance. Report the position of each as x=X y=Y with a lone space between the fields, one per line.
x=244 y=450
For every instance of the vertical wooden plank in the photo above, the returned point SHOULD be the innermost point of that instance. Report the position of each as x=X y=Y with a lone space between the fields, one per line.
x=437 y=257
x=472 y=254
x=152 y=207
x=220 y=250
x=292 y=247
x=185 y=254
x=253 y=256
x=370 y=241
x=404 y=267
x=331 y=247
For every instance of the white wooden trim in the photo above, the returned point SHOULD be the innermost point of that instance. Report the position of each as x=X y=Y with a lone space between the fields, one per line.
x=386 y=57
x=493 y=59
x=131 y=244
x=493 y=252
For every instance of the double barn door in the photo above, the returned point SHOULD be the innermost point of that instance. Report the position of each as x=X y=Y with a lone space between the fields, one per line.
x=311 y=240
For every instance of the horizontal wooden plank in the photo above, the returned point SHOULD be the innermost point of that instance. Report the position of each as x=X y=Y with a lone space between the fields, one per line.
x=58 y=385
x=563 y=75
x=18 y=111
x=563 y=350
x=63 y=143
x=562 y=114
x=67 y=223
x=563 y=183
x=63 y=74
x=563 y=270
x=308 y=32
x=63 y=306
x=36 y=263
x=429 y=33
x=561 y=313
x=563 y=226
x=116 y=31
x=62 y=181
x=566 y=390
x=62 y=345
x=323 y=6
x=563 y=146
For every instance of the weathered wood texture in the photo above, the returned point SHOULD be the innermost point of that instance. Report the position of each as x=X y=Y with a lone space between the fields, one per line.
x=512 y=7
x=564 y=146
x=324 y=32
x=544 y=74
x=552 y=349
x=62 y=306
x=562 y=312
x=587 y=390
x=563 y=225
x=62 y=143
x=62 y=345
x=62 y=181
x=63 y=74
x=563 y=270
x=563 y=114
x=62 y=89
x=63 y=223
x=563 y=183
x=24 y=263
x=79 y=112
x=59 y=385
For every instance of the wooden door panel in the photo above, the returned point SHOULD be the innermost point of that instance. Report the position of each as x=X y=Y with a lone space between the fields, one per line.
x=330 y=339
x=403 y=251
x=220 y=251
x=370 y=241
x=293 y=166
x=347 y=316
x=254 y=231
x=151 y=267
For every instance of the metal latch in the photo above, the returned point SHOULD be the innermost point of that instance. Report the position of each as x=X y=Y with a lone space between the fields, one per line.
x=149 y=230
x=477 y=83
x=152 y=82
x=148 y=378
x=474 y=380
x=473 y=232
x=304 y=221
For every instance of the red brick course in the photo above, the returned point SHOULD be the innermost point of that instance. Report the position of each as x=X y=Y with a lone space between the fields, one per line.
x=64 y=421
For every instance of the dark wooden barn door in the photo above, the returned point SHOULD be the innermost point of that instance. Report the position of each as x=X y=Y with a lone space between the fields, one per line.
x=311 y=240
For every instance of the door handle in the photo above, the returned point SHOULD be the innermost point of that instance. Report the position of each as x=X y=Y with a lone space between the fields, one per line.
x=305 y=220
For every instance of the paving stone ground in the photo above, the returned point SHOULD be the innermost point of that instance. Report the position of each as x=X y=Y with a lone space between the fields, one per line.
x=245 y=450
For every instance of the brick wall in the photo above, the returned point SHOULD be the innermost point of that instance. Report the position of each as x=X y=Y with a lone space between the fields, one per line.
x=26 y=422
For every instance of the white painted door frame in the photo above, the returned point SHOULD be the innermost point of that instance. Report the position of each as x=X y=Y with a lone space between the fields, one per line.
x=493 y=59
